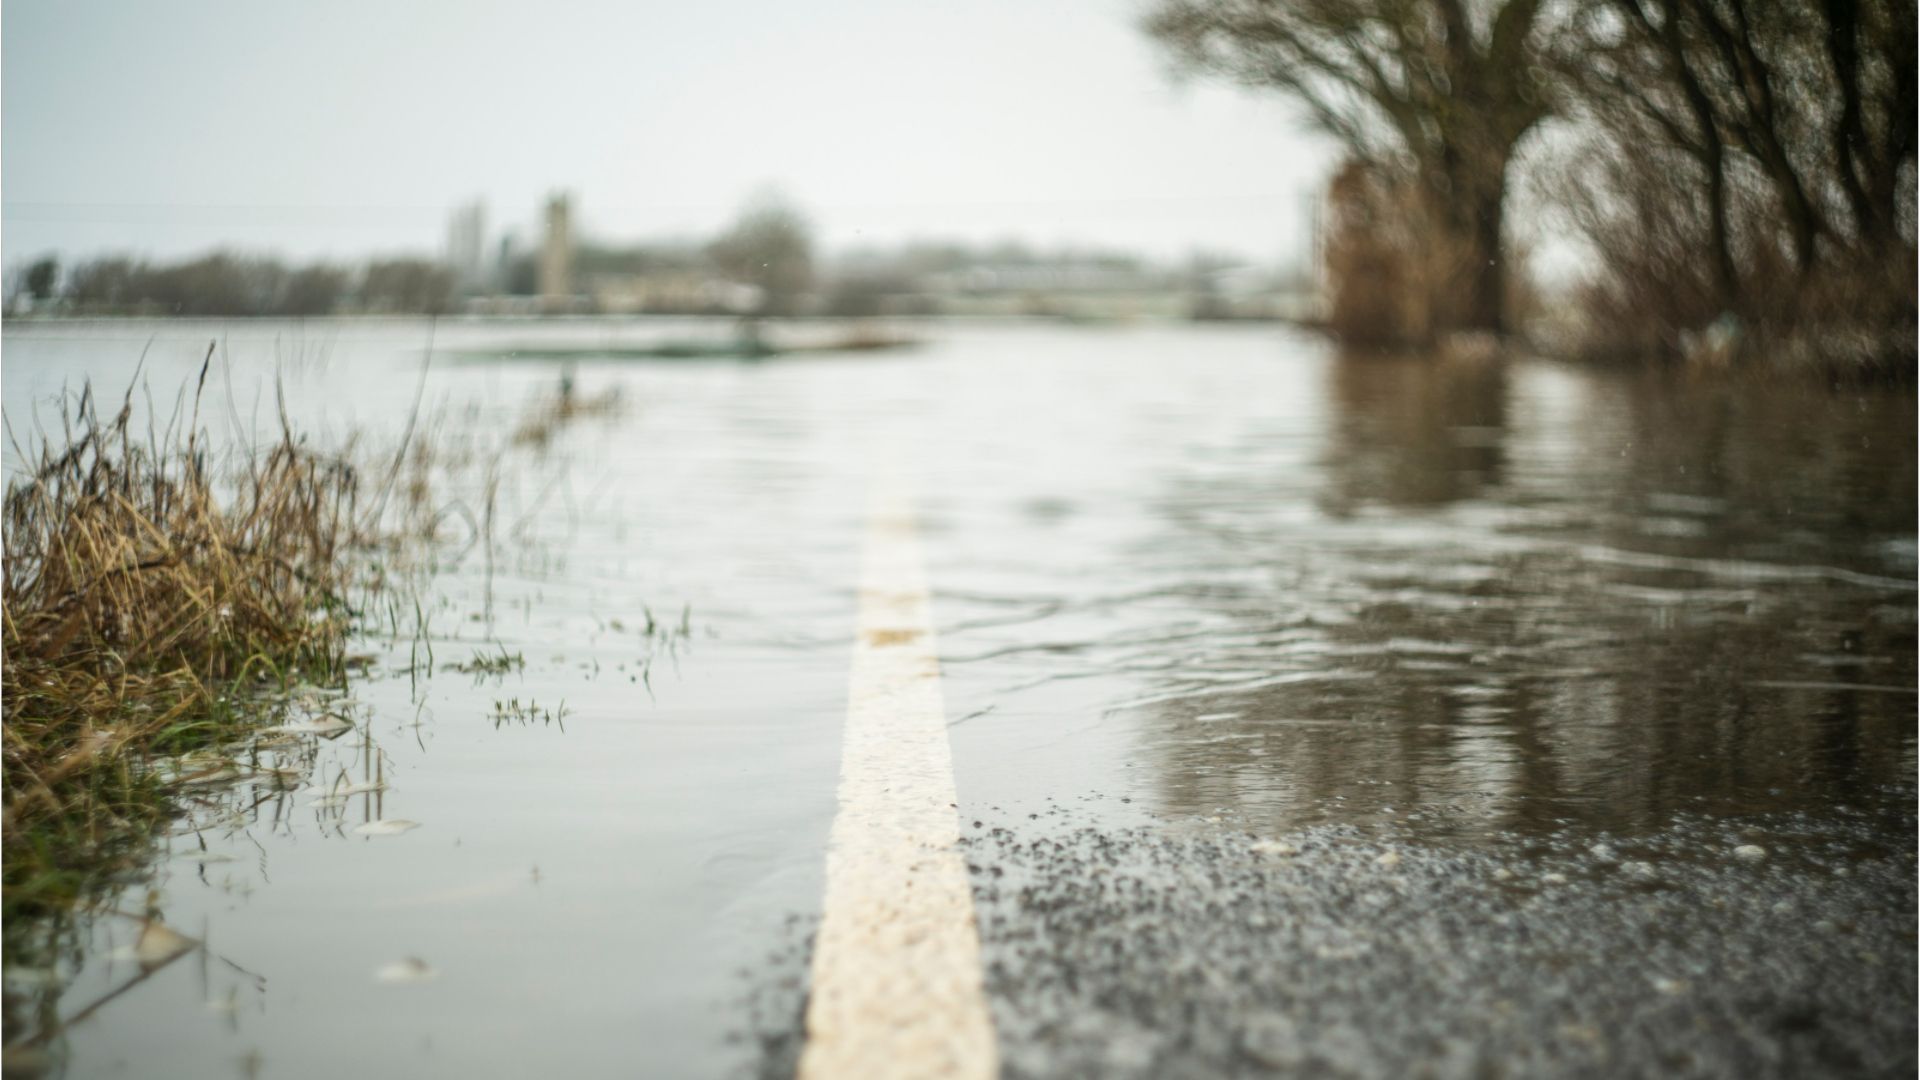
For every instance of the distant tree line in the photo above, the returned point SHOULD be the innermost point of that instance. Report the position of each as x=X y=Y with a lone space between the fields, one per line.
x=768 y=252
x=1729 y=163
x=762 y=265
x=225 y=284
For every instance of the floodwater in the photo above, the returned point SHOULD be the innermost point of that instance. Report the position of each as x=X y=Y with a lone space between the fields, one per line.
x=1194 y=580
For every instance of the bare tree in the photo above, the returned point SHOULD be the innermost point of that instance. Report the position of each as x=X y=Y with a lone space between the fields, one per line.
x=768 y=248
x=407 y=285
x=1753 y=157
x=1440 y=90
x=313 y=290
x=106 y=284
x=41 y=278
x=1813 y=98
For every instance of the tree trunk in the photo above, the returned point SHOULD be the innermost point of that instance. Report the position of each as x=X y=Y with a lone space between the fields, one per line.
x=1487 y=296
x=1470 y=290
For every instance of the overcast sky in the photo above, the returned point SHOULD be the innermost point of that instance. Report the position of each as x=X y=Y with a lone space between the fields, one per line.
x=342 y=129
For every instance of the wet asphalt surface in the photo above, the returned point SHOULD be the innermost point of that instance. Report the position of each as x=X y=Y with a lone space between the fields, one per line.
x=1185 y=950
x=1339 y=952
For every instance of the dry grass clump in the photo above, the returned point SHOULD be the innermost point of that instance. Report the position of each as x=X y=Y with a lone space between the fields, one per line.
x=146 y=594
x=547 y=415
x=1395 y=276
x=1378 y=270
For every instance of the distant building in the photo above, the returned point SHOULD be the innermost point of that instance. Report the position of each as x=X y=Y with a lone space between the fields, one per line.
x=467 y=246
x=556 y=254
x=503 y=265
x=667 y=292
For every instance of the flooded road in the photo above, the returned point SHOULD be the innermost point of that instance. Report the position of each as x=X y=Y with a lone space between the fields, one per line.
x=1290 y=639
x=1493 y=596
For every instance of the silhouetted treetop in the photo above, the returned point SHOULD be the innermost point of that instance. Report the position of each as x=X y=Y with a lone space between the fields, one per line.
x=1440 y=90
x=769 y=248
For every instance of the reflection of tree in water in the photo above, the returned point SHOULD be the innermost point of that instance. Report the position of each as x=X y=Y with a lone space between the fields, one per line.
x=1413 y=430
x=1567 y=714
x=1783 y=472
x=1600 y=672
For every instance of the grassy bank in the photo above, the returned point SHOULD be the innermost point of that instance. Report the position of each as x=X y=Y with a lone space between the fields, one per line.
x=154 y=592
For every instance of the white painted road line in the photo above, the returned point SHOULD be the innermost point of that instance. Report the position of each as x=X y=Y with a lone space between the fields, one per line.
x=896 y=988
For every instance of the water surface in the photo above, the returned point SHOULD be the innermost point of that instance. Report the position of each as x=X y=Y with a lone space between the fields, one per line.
x=1209 y=577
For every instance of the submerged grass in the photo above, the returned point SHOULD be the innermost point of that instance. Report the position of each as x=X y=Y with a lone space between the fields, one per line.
x=165 y=601
x=149 y=596
x=527 y=714
x=495 y=664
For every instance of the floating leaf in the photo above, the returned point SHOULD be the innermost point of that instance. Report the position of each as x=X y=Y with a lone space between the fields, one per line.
x=358 y=789
x=210 y=778
x=387 y=827
x=325 y=724
x=158 y=944
x=411 y=970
